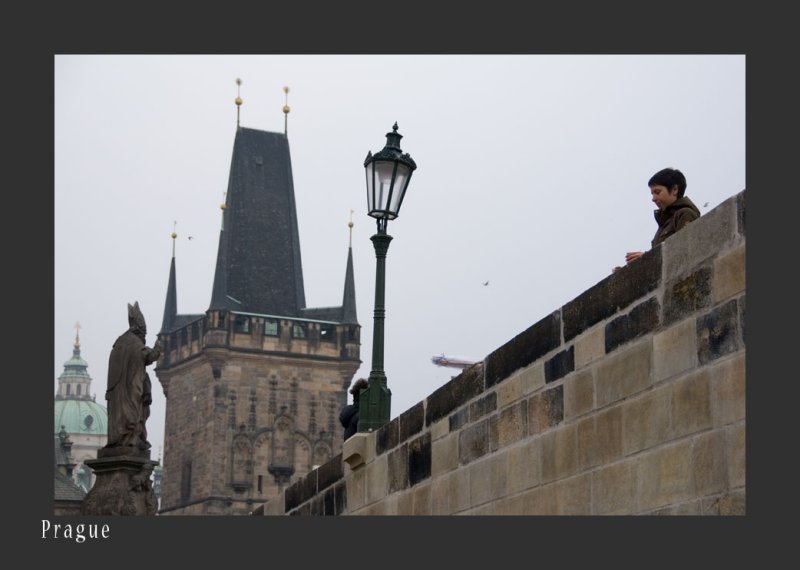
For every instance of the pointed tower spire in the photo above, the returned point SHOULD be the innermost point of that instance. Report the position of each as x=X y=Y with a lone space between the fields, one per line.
x=238 y=100
x=349 y=298
x=259 y=269
x=171 y=303
x=219 y=292
x=286 y=110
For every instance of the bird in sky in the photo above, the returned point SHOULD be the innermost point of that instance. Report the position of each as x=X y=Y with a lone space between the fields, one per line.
x=485 y=283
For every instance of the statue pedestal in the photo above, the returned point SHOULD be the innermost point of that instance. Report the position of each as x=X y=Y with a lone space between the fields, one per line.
x=123 y=485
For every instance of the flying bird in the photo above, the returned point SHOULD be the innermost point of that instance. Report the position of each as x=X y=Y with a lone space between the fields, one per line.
x=190 y=237
x=485 y=283
x=705 y=205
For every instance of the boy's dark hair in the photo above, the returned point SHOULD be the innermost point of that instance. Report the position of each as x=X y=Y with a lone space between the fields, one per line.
x=359 y=385
x=669 y=177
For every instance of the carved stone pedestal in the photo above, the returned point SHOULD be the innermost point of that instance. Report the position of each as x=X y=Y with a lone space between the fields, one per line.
x=123 y=485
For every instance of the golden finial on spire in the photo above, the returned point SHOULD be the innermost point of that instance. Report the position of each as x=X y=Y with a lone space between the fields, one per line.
x=77 y=331
x=238 y=100
x=222 y=210
x=174 y=235
x=286 y=110
x=350 y=225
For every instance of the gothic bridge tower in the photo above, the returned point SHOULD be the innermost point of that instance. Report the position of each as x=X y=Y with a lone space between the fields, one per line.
x=255 y=384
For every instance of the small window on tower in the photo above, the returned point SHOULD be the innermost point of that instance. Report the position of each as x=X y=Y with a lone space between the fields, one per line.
x=270 y=327
x=327 y=332
x=78 y=389
x=299 y=330
x=242 y=324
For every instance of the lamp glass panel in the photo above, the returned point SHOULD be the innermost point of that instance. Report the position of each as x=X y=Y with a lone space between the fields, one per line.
x=400 y=184
x=383 y=183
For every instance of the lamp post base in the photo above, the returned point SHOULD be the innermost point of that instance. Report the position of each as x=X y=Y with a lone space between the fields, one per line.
x=375 y=404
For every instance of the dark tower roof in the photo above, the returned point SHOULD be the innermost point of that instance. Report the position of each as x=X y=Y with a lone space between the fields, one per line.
x=171 y=304
x=349 y=298
x=258 y=261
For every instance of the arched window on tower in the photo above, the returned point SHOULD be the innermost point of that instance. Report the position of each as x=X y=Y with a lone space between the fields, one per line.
x=78 y=389
x=69 y=389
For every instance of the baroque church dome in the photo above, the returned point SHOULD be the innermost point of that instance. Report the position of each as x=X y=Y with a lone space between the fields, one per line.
x=75 y=409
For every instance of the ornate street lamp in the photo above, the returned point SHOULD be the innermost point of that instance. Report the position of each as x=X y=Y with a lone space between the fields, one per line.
x=388 y=174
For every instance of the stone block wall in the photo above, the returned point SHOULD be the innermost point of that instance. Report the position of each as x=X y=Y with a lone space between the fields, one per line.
x=629 y=399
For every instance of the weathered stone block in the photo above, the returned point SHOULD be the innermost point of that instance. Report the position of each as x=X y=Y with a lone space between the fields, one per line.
x=578 y=394
x=454 y=394
x=480 y=477
x=398 y=469
x=482 y=406
x=674 y=350
x=600 y=438
x=377 y=478
x=701 y=239
x=523 y=349
x=444 y=454
x=614 y=489
x=411 y=421
x=559 y=453
x=736 y=455
x=532 y=377
x=728 y=392
x=330 y=472
x=388 y=436
x=559 y=365
x=440 y=428
x=329 y=502
x=642 y=319
x=623 y=374
x=540 y=501
x=458 y=482
x=523 y=463
x=405 y=503
x=356 y=490
x=488 y=479
x=510 y=506
x=574 y=495
x=510 y=425
x=729 y=274
x=647 y=420
x=665 y=475
x=422 y=499
x=687 y=295
x=508 y=391
x=612 y=294
x=709 y=465
x=545 y=409
x=317 y=507
x=440 y=496
x=419 y=459
x=459 y=419
x=590 y=347
x=473 y=442
x=730 y=504
x=691 y=404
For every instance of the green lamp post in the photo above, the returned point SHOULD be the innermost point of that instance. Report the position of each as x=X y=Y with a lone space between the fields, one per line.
x=388 y=174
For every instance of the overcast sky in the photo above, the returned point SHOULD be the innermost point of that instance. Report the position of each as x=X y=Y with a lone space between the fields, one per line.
x=531 y=174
